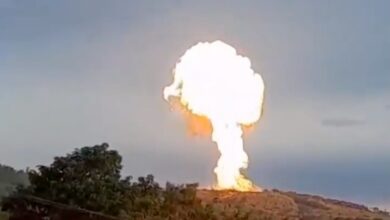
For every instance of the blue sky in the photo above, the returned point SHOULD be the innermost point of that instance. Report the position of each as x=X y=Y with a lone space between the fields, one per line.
x=76 y=73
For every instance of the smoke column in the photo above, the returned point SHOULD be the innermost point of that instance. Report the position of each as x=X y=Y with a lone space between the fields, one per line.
x=211 y=80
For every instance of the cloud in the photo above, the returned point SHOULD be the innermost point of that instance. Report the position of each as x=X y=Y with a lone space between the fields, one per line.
x=341 y=122
x=387 y=107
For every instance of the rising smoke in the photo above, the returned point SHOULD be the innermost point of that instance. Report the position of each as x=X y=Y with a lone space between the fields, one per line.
x=212 y=81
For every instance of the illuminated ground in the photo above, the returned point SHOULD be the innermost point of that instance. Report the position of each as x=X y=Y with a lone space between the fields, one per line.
x=283 y=205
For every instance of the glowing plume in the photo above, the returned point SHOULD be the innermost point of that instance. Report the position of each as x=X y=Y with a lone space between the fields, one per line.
x=211 y=80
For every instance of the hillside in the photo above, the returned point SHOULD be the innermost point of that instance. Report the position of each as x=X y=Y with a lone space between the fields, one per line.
x=283 y=205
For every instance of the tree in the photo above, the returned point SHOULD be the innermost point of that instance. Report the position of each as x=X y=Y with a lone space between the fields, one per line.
x=10 y=179
x=144 y=198
x=88 y=178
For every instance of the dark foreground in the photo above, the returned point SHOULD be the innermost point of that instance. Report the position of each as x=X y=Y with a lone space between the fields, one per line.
x=223 y=205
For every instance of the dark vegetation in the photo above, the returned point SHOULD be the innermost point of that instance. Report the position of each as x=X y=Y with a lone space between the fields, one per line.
x=90 y=178
x=10 y=179
x=87 y=184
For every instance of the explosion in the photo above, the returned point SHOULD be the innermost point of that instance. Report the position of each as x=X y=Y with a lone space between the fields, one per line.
x=218 y=86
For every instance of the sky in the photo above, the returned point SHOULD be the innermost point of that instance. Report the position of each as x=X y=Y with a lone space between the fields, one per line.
x=79 y=73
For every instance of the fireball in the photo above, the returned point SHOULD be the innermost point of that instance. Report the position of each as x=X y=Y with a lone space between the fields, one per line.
x=221 y=92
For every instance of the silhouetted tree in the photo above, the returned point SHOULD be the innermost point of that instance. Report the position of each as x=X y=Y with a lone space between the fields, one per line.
x=88 y=177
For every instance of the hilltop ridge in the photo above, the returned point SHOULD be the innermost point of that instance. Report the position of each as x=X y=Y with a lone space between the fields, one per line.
x=276 y=204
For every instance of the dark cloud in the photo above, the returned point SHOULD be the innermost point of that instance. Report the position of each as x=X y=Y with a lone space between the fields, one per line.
x=341 y=122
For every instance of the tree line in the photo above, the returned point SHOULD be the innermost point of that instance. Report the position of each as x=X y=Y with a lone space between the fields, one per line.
x=90 y=178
